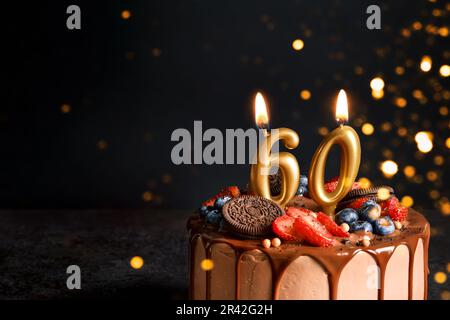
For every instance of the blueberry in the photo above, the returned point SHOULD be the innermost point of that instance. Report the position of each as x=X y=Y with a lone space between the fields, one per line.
x=214 y=217
x=304 y=181
x=361 y=226
x=370 y=211
x=204 y=210
x=384 y=226
x=347 y=216
x=220 y=202
x=368 y=203
x=301 y=190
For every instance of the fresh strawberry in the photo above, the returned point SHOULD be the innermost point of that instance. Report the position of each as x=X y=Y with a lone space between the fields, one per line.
x=284 y=228
x=399 y=214
x=357 y=203
x=232 y=191
x=312 y=231
x=331 y=185
x=331 y=226
x=296 y=212
x=390 y=205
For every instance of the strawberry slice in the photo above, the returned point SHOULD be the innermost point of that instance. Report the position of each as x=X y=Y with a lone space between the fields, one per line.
x=296 y=212
x=356 y=204
x=331 y=226
x=311 y=230
x=390 y=205
x=331 y=185
x=284 y=228
x=399 y=214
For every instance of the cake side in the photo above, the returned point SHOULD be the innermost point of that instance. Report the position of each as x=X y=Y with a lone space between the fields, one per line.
x=392 y=267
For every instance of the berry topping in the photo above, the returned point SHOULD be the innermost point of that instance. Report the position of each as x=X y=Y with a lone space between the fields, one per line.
x=361 y=226
x=296 y=212
x=400 y=214
x=220 y=202
x=284 y=228
x=390 y=205
x=311 y=230
x=232 y=191
x=331 y=185
x=370 y=211
x=384 y=226
x=357 y=203
x=214 y=217
x=347 y=216
x=331 y=226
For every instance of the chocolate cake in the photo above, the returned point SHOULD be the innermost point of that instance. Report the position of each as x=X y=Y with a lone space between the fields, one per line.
x=362 y=265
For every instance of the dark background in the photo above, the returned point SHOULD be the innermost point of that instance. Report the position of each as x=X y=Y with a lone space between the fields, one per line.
x=130 y=82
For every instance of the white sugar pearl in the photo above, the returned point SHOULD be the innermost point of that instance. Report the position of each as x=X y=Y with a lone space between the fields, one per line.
x=276 y=242
x=366 y=243
x=345 y=227
x=266 y=243
x=398 y=225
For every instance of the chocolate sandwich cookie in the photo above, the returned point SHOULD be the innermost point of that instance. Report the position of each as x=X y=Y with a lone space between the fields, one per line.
x=250 y=216
x=370 y=193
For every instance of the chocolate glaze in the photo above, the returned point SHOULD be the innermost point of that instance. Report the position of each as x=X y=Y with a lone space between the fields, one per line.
x=333 y=259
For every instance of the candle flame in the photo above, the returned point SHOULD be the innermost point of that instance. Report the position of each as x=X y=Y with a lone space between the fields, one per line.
x=342 y=107
x=261 y=116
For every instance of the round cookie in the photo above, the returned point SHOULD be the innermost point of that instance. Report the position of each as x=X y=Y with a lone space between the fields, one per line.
x=370 y=193
x=251 y=216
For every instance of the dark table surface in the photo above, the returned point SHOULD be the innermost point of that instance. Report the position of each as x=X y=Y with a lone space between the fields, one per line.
x=36 y=247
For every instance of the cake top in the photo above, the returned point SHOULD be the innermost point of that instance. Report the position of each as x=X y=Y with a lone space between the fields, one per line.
x=366 y=217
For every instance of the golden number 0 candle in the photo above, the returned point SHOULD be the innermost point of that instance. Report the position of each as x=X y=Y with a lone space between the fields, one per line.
x=348 y=141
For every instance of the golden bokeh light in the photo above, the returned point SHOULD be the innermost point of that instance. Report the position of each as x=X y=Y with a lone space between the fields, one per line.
x=323 y=131
x=444 y=70
x=407 y=201
x=447 y=142
x=434 y=194
x=305 y=94
x=386 y=126
x=445 y=295
x=438 y=160
x=383 y=194
x=137 y=262
x=401 y=102
x=443 y=111
x=207 y=264
x=367 y=129
x=389 y=168
x=66 y=108
x=400 y=70
x=364 y=183
x=445 y=208
x=426 y=63
x=147 y=196
x=377 y=84
x=298 y=44
x=402 y=131
x=377 y=94
x=102 y=145
x=443 y=31
x=432 y=176
x=440 y=277
x=424 y=140
x=417 y=25
x=126 y=14
x=409 y=171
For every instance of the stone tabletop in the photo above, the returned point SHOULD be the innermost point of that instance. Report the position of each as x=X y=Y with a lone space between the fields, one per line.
x=36 y=247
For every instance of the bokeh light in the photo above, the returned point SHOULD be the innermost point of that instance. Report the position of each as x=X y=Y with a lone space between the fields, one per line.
x=426 y=63
x=126 y=14
x=440 y=277
x=389 y=168
x=298 y=44
x=137 y=262
x=407 y=201
x=367 y=129
x=207 y=264
x=444 y=70
x=383 y=193
x=409 y=171
x=305 y=94
x=377 y=84
x=364 y=182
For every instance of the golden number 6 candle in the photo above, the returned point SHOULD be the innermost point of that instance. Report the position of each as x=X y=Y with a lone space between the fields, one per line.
x=285 y=161
x=348 y=141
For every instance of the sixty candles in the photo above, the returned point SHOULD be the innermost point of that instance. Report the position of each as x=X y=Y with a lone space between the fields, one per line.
x=348 y=141
x=285 y=161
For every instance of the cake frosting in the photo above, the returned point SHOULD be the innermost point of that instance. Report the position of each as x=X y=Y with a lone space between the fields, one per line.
x=391 y=267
